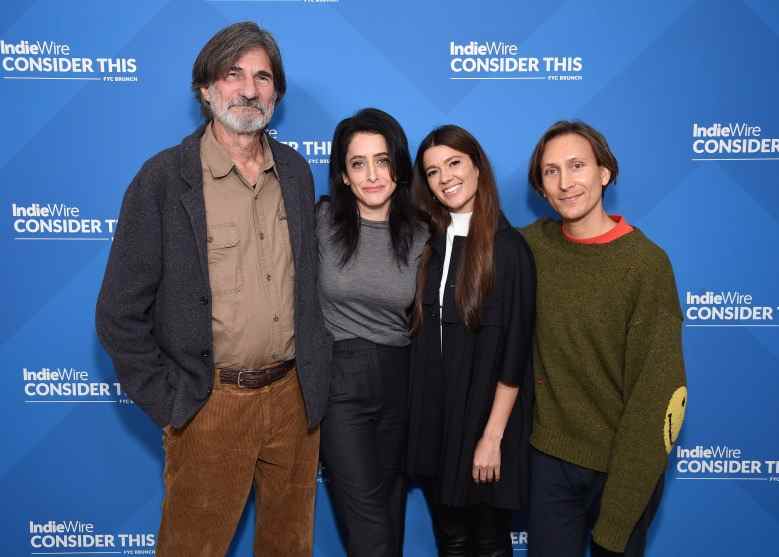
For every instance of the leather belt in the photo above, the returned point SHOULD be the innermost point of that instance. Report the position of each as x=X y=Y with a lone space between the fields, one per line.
x=255 y=378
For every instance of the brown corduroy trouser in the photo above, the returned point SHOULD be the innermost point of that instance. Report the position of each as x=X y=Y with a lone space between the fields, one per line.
x=240 y=437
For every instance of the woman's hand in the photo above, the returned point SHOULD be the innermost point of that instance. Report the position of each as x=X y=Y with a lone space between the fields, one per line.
x=486 y=460
x=486 y=457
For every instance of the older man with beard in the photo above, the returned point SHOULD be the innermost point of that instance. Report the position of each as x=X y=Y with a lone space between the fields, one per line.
x=209 y=310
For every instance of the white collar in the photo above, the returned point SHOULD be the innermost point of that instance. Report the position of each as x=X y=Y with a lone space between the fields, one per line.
x=461 y=223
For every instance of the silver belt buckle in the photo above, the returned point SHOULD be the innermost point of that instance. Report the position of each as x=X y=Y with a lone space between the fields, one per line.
x=238 y=380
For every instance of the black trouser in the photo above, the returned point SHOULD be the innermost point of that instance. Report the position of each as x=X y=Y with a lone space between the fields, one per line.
x=363 y=443
x=473 y=531
x=564 y=505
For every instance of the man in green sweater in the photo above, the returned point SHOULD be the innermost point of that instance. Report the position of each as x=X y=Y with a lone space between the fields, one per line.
x=610 y=384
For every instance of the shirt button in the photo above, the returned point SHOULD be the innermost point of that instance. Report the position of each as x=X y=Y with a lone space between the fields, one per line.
x=267 y=277
x=210 y=239
x=262 y=235
x=275 y=317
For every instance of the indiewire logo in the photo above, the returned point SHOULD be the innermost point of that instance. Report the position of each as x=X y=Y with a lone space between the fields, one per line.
x=725 y=308
x=57 y=221
x=68 y=385
x=722 y=462
x=501 y=60
x=76 y=534
x=741 y=138
x=28 y=59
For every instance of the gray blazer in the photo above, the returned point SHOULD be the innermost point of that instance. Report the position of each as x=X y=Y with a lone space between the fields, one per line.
x=154 y=308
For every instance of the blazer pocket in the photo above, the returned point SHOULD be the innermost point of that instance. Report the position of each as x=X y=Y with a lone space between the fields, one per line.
x=224 y=261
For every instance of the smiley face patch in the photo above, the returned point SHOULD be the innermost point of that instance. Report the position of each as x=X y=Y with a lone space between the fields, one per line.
x=674 y=417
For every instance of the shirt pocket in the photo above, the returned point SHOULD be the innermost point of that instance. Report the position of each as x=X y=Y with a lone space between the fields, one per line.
x=224 y=261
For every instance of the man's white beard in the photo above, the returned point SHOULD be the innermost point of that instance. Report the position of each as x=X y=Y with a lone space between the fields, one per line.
x=245 y=122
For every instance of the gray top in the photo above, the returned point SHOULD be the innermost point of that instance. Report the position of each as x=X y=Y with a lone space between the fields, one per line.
x=370 y=296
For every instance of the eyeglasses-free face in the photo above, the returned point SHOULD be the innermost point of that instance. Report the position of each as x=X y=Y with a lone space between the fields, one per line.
x=452 y=178
x=573 y=181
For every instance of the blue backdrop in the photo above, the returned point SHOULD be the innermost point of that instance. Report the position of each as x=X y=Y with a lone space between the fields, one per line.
x=684 y=90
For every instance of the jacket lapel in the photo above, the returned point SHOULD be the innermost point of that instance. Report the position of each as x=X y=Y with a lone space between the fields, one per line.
x=192 y=199
x=434 y=269
x=449 y=312
x=290 y=192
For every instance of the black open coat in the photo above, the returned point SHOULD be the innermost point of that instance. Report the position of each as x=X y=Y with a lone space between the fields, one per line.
x=452 y=389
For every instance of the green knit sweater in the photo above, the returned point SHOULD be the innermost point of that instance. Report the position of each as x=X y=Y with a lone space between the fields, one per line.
x=610 y=384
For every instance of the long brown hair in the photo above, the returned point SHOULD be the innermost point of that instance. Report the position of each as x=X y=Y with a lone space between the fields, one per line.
x=476 y=273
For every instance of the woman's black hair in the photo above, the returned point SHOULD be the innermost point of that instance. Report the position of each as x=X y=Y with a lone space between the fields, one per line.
x=344 y=212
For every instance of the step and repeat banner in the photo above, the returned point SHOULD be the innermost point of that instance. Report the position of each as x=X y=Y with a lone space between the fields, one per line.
x=685 y=91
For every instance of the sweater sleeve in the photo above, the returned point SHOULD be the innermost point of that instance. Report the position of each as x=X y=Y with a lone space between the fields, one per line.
x=655 y=399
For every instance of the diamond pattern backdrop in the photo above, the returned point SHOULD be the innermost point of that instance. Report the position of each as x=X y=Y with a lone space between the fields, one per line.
x=649 y=72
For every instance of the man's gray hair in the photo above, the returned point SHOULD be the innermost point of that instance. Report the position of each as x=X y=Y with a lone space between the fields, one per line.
x=225 y=48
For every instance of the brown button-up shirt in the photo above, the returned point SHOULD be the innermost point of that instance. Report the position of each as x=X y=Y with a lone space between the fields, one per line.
x=250 y=263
